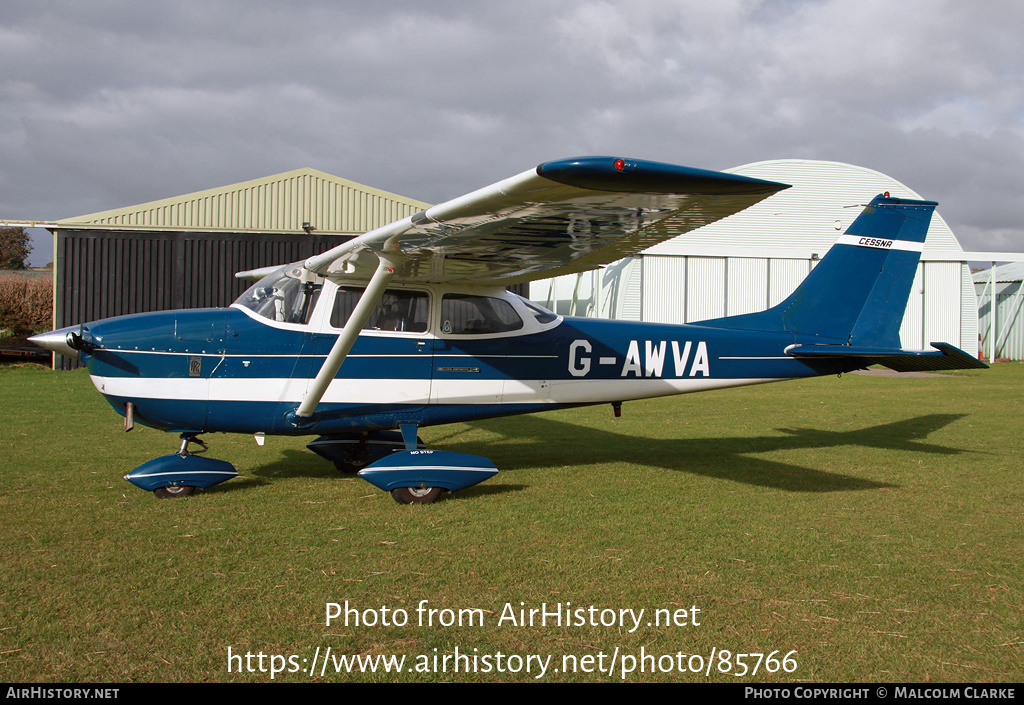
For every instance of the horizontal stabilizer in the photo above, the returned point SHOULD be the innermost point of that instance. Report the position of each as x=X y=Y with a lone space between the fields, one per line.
x=944 y=357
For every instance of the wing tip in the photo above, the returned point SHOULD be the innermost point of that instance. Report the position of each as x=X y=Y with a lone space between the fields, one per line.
x=641 y=176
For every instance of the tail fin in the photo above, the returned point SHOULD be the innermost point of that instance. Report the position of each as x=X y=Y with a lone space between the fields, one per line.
x=851 y=305
x=858 y=292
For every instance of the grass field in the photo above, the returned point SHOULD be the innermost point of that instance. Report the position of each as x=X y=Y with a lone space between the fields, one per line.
x=870 y=528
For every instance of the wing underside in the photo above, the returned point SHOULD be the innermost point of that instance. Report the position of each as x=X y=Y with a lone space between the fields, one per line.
x=562 y=217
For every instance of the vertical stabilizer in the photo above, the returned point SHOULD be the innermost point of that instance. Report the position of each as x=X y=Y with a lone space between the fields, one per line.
x=858 y=293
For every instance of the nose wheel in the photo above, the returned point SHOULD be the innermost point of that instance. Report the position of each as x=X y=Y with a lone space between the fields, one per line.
x=180 y=474
x=171 y=492
x=418 y=495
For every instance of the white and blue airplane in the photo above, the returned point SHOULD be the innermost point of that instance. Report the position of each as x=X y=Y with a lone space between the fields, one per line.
x=412 y=325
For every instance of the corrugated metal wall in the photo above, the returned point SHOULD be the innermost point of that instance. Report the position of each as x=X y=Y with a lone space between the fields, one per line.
x=912 y=329
x=678 y=289
x=968 y=312
x=747 y=285
x=632 y=302
x=705 y=288
x=686 y=289
x=665 y=303
x=1009 y=320
x=614 y=291
x=784 y=276
x=942 y=310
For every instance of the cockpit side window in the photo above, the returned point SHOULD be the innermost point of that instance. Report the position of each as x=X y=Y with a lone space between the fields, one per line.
x=468 y=314
x=399 y=311
x=282 y=296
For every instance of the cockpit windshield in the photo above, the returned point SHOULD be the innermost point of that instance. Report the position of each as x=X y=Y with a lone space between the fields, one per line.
x=282 y=296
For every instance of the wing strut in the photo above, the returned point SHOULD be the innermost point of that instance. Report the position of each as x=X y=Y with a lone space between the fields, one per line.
x=360 y=314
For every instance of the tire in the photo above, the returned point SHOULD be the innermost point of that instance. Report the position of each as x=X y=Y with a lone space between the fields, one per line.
x=173 y=492
x=418 y=495
x=348 y=468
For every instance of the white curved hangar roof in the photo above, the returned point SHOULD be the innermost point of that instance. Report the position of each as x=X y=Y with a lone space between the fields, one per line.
x=806 y=219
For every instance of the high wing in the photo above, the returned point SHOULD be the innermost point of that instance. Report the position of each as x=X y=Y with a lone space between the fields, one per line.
x=563 y=217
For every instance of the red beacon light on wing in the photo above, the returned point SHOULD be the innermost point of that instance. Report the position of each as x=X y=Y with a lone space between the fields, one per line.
x=620 y=164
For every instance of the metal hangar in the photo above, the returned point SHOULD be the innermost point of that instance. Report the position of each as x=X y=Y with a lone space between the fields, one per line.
x=182 y=252
x=1001 y=324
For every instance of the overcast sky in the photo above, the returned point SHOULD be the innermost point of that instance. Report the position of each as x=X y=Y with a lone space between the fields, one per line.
x=109 y=104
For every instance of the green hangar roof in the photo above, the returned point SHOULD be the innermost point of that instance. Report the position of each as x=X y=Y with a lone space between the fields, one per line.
x=282 y=203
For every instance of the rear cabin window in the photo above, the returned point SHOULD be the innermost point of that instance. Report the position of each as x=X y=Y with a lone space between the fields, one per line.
x=539 y=312
x=466 y=314
x=398 y=311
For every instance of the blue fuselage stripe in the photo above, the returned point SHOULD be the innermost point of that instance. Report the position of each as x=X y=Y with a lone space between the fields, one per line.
x=226 y=371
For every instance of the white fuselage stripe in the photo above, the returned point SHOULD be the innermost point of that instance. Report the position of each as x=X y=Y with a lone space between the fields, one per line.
x=324 y=356
x=766 y=357
x=411 y=391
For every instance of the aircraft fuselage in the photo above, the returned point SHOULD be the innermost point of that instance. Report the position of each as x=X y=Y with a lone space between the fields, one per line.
x=235 y=370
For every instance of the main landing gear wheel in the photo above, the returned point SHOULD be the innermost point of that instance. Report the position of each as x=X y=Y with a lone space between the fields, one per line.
x=418 y=495
x=172 y=492
x=348 y=468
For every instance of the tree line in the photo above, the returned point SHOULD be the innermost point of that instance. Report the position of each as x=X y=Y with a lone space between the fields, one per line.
x=15 y=247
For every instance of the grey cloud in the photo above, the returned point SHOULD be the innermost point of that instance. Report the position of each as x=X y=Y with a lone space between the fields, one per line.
x=105 y=104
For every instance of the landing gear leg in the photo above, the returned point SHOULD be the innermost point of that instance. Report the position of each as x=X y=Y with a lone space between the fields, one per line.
x=421 y=494
x=187 y=438
x=356 y=458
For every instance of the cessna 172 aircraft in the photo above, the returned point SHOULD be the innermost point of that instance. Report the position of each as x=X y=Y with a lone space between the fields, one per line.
x=412 y=325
